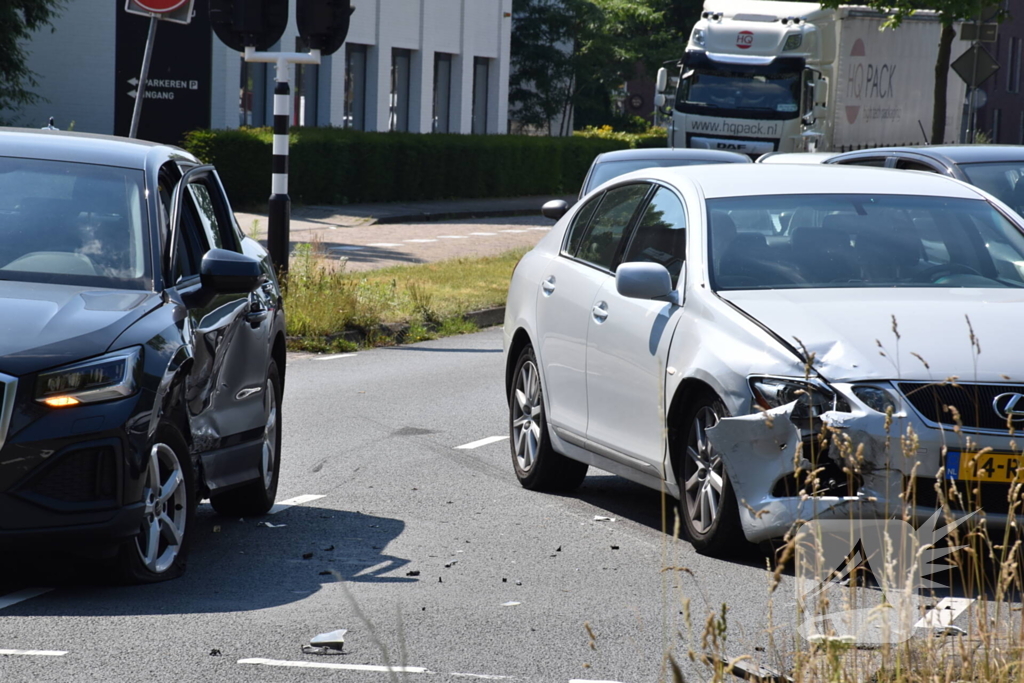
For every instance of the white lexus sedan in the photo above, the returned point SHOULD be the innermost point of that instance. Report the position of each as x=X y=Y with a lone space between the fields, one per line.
x=774 y=344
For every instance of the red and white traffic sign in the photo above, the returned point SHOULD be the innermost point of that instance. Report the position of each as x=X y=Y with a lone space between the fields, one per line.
x=160 y=6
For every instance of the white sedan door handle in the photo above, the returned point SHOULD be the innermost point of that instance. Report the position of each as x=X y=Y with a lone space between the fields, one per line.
x=548 y=286
x=600 y=312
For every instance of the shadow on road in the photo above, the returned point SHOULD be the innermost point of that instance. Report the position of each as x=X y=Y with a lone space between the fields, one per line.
x=234 y=566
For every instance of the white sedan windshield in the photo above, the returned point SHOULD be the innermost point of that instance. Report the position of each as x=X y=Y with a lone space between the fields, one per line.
x=72 y=223
x=815 y=241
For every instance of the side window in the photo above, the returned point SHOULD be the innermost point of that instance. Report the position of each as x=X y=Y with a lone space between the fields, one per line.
x=602 y=241
x=207 y=214
x=661 y=234
x=908 y=165
x=870 y=161
x=579 y=225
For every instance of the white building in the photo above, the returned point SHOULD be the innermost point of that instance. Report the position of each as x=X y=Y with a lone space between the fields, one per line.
x=408 y=65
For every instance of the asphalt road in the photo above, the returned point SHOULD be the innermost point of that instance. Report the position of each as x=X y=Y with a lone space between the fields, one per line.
x=433 y=557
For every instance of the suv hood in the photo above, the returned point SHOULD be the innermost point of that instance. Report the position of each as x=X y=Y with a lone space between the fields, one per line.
x=849 y=330
x=46 y=325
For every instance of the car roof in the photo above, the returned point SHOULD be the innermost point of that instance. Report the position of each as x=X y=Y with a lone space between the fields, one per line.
x=106 y=150
x=951 y=154
x=716 y=181
x=795 y=157
x=721 y=156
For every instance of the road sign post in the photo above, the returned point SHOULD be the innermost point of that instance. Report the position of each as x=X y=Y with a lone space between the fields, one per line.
x=178 y=11
x=975 y=66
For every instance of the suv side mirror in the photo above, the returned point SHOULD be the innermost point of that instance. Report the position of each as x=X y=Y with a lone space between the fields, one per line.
x=642 y=280
x=555 y=209
x=228 y=272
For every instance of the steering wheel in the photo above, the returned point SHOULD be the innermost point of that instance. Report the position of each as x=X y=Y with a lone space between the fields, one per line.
x=932 y=274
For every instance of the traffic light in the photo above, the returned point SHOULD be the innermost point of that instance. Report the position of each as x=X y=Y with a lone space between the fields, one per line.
x=249 y=23
x=323 y=23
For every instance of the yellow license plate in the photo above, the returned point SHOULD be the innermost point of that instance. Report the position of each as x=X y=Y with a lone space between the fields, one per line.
x=995 y=467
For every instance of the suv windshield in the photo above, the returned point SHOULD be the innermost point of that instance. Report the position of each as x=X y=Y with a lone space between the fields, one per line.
x=71 y=223
x=820 y=241
x=1004 y=180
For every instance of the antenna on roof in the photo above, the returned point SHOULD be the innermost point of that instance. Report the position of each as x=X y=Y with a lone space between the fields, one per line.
x=50 y=125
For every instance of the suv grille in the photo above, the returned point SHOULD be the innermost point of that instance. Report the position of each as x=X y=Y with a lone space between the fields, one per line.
x=972 y=401
x=82 y=476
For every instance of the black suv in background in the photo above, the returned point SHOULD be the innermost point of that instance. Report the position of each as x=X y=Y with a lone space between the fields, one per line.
x=142 y=351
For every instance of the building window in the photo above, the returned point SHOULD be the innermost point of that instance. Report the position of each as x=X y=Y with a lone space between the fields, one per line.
x=252 y=106
x=401 y=66
x=442 y=92
x=997 y=120
x=1013 y=63
x=481 y=87
x=305 y=96
x=355 y=87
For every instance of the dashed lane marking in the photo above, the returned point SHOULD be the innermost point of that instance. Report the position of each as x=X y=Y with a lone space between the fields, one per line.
x=335 y=356
x=482 y=442
x=329 y=665
x=484 y=234
x=944 y=613
x=353 y=247
x=487 y=677
x=514 y=231
x=291 y=502
x=542 y=229
x=384 y=244
x=21 y=596
x=453 y=237
x=419 y=241
x=34 y=653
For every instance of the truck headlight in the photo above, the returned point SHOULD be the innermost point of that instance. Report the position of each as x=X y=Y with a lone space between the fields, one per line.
x=876 y=398
x=99 y=379
x=793 y=42
x=812 y=399
x=698 y=37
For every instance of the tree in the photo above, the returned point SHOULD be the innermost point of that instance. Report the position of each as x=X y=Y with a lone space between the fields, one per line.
x=950 y=12
x=561 y=48
x=18 y=19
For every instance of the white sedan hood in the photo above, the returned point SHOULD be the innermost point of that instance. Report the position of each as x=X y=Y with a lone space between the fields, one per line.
x=850 y=331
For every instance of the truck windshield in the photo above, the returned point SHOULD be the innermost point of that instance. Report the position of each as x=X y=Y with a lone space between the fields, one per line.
x=742 y=94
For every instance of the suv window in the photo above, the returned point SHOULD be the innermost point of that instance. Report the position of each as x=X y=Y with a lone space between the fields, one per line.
x=661 y=234
x=908 y=165
x=870 y=161
x=601 y=244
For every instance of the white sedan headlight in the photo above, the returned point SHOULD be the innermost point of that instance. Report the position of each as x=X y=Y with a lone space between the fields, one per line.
x=99 y=379
x=812 y=398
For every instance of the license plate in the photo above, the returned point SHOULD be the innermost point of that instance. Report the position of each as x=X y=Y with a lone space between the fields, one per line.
x=994 y=467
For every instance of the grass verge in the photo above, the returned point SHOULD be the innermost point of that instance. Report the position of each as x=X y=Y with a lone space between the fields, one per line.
x=330 y=310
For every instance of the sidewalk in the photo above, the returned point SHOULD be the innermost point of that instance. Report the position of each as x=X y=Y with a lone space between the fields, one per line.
x=357 y=215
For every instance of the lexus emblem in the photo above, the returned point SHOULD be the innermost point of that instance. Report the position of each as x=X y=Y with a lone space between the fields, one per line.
x=1009 y=407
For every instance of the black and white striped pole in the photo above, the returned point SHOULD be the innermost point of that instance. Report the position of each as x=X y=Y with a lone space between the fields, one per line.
x=279 y=209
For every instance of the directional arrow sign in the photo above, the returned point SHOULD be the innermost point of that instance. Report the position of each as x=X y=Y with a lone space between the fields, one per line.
x=975 y=66
x=133 y=93
x=133 y=81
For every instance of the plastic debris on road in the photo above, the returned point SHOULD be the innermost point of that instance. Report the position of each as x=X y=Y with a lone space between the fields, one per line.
x=271 y=526
x=510 y=603
x=330 y=643
x=602 y=518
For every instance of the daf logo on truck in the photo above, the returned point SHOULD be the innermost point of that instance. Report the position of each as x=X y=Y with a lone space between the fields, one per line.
x=744 y=40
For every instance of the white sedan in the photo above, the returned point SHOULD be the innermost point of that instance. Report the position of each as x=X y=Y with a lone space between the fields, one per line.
x=774 y=344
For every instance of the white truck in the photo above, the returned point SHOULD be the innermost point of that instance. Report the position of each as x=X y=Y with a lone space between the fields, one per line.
x=763 y=76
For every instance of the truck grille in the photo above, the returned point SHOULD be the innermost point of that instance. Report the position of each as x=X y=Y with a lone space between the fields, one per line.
x=973 y=402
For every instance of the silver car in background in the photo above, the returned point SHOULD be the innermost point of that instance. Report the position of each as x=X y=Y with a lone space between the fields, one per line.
x=772 y=345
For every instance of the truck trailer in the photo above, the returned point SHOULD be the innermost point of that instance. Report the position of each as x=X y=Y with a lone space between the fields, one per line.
x=762 y=76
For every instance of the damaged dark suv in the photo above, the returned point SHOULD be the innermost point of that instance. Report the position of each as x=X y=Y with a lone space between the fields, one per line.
x=142 y=351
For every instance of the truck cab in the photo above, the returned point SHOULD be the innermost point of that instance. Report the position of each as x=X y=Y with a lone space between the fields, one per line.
x=754 y=78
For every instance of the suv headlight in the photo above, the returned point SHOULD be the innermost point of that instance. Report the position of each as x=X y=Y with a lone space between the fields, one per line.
x=812 y=399
x=99 y=379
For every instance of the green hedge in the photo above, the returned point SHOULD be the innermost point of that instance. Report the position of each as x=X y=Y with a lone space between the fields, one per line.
x=655 y=137
x=338 y=166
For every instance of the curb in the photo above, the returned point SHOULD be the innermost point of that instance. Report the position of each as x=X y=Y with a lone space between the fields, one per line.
x=488 y=317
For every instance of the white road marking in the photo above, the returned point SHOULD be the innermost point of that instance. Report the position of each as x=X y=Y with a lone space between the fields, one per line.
x=21 y=596
x=944 y=613
x=544 y=229
x=297 y=500
x=488 y=677
x=453 y=237
x=484 y=234
x=334 y=356
x=587 y=680
x=482 y=442
x=512 y=231
x=35 y=653
x=384 y=244
x=419 y=241
x=329 y=665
